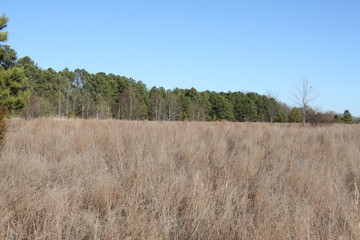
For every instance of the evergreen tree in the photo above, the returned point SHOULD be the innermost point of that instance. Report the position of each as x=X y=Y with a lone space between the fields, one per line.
x=32 y=72
x=201 y=104
x=296 y=115
x=347 y=117
x=247 y=109
x=3 y=38
x=13 y=88
x=271 y=108
x=187 y=108
x=237 y=100
x=222 y=109
x=143 y=95
x=281 y=117
x=13 y=82
x=3 y=23
x=8 y=56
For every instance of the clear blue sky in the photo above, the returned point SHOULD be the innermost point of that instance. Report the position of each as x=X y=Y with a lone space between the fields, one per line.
x=253 y=46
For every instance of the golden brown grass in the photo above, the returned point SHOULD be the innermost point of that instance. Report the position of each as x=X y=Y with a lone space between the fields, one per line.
x=108 y=179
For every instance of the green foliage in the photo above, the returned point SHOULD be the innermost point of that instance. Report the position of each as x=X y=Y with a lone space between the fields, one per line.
x=13 y=82
x=3 y=125
x=82 y=94
x=337 y=118
x=8 y=56
x=281 y=117
x=237 y=100
x=13 y=88
x=187 y=108
x=271 y=107
x=347 y=117
x=32 y=72
x=222 y=109
x=3 y=23
x=202 y=106
x=296 y=115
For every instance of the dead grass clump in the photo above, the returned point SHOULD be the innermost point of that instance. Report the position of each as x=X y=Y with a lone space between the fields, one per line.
x=109 y=179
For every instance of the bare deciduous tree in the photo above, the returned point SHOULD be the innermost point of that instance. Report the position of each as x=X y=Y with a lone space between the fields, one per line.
x=303 y=97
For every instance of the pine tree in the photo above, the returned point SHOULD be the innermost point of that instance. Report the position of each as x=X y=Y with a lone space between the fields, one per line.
x=3 y=23
x=347 y=117
x=296 y=115
x=13 y=88
x=3 y=38
x=8 y=56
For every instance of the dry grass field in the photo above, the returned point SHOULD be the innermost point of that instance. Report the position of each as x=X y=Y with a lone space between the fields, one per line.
x=109 y=179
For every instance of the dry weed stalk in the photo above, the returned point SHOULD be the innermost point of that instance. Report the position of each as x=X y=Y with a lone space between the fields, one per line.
x=108 y=179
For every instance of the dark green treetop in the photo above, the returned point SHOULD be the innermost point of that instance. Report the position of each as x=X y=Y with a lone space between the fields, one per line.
x=347 y=117
x=13 y=88
x=8 y=56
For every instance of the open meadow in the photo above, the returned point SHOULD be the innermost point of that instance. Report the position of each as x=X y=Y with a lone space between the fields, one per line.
x=111 y=179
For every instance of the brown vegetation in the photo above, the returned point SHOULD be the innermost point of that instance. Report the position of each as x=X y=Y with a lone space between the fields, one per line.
x=3 y=125
x=108 y=179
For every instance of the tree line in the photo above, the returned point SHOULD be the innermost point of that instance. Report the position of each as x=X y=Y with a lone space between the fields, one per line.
x=29 y=91
x=82 y=94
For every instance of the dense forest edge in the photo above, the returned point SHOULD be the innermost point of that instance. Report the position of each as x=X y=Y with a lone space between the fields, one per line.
x=28 y=91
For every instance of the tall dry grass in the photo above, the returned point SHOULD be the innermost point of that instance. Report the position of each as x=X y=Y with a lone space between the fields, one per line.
x=108 y=179
x=3 y=125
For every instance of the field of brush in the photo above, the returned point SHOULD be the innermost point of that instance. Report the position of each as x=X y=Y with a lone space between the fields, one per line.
x=109 y=179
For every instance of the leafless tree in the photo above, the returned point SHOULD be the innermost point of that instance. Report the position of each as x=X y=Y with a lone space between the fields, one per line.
x=157 y=104
x=172 y=106
x=303 y=97
x=129 y=105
